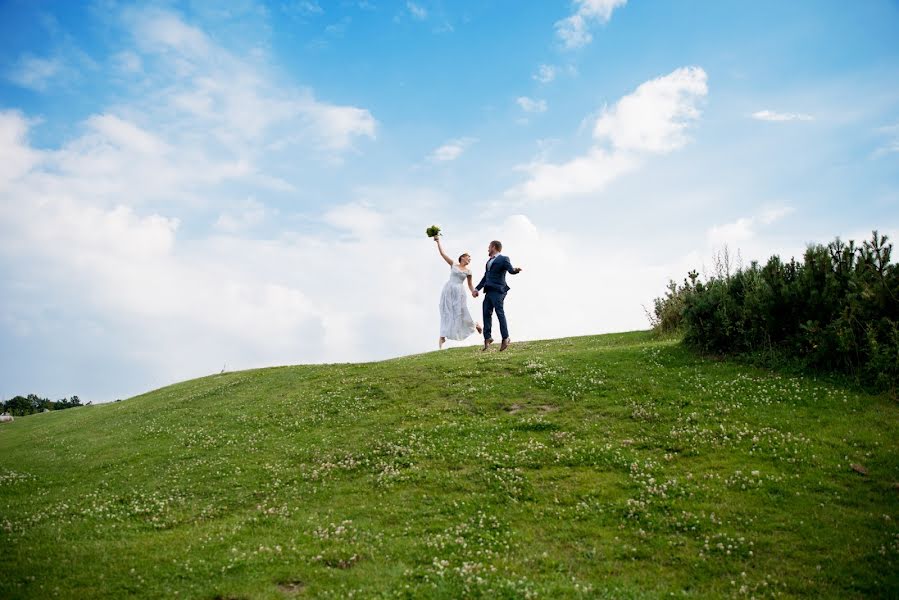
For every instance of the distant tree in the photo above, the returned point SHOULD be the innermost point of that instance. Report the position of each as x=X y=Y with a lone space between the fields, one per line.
x=38 y=404
x=18 y=406
x=68 y=403
x=35 y=402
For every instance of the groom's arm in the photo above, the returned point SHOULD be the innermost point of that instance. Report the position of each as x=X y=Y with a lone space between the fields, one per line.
x=509 y=267
x=483 y=281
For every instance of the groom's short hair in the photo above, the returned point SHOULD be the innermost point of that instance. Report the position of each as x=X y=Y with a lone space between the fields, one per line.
x=497 y=244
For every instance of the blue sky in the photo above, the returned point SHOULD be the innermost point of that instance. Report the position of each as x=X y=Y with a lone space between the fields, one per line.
x=186 y=187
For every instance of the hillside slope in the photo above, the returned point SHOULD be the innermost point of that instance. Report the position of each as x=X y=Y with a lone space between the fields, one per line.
x=605 y=466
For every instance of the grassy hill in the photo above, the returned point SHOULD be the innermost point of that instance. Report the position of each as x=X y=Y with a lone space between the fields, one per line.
x=607 y=466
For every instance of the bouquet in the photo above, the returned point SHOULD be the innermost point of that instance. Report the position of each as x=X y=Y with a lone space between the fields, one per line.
x=432 y=231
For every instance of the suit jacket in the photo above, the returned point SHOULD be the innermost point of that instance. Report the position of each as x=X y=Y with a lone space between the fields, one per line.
x=495 y=276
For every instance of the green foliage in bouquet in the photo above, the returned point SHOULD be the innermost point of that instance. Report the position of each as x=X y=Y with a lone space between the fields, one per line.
x=432 y=231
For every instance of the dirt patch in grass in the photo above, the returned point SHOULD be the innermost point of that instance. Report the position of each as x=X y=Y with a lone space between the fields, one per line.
x=291 y=588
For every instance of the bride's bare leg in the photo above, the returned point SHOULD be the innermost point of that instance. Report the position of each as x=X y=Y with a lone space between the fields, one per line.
x=479 y=328
x=442 y=340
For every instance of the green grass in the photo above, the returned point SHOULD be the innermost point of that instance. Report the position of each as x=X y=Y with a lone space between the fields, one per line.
x=613 y=466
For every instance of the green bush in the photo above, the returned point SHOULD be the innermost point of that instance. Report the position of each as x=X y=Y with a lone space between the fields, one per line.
x=837 y=310
x=668 y=311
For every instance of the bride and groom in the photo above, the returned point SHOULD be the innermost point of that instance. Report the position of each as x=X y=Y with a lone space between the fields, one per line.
x=455 y=320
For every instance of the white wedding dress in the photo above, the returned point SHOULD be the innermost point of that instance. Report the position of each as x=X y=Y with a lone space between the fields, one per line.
x=455 y=320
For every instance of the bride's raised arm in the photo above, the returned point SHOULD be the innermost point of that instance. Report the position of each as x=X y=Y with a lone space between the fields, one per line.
x=448 y=260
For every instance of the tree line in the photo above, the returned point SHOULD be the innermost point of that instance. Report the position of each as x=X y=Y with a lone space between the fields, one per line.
x=32 y=403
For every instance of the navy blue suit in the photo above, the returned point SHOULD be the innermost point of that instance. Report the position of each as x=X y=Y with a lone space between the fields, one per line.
x=495 y=288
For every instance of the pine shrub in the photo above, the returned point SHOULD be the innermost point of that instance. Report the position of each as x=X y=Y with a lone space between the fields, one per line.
x=837 y=310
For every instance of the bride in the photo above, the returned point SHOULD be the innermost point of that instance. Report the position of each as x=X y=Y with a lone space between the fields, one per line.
x=455 y=320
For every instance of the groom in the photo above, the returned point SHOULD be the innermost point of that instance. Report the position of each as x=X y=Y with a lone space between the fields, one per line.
x=495 y=288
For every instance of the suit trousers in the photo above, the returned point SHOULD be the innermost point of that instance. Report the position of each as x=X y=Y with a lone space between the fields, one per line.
x=493 y=300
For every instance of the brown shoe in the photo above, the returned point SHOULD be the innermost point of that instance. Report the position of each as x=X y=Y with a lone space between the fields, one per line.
x=505 y=344
x=487 y=343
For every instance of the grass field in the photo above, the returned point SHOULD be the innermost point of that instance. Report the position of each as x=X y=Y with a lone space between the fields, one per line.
x=611 y=466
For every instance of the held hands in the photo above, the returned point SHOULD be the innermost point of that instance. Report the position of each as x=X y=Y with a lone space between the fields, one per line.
x=474 y=293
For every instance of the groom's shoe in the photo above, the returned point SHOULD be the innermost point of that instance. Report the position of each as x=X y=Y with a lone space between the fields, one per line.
x=505 y=344
x=487 y=343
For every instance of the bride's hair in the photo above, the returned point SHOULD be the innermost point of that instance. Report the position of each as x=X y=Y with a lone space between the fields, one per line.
x=461 y=255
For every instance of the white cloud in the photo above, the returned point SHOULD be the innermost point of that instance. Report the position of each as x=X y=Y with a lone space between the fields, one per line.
x=654 y=118
x=126 y=135
x=248 y=214
x=127 y=272
x=16 y=155
x=163 y=31
x=770 y=115
x=451 y=150
x=651 y=120
x=598 y=9
x=116 y=160
x=93 y=245
x=531 y=105
x=771 y=215
x=545 y=73
x=357 y=218
x=418 y=12
x=740 y=230
x=339 y=125
x=35 y=73
x=585 y=174
x=745 y=229
x=180 y=307
x=574 y=29
x=304 y=7
x=234 y=99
